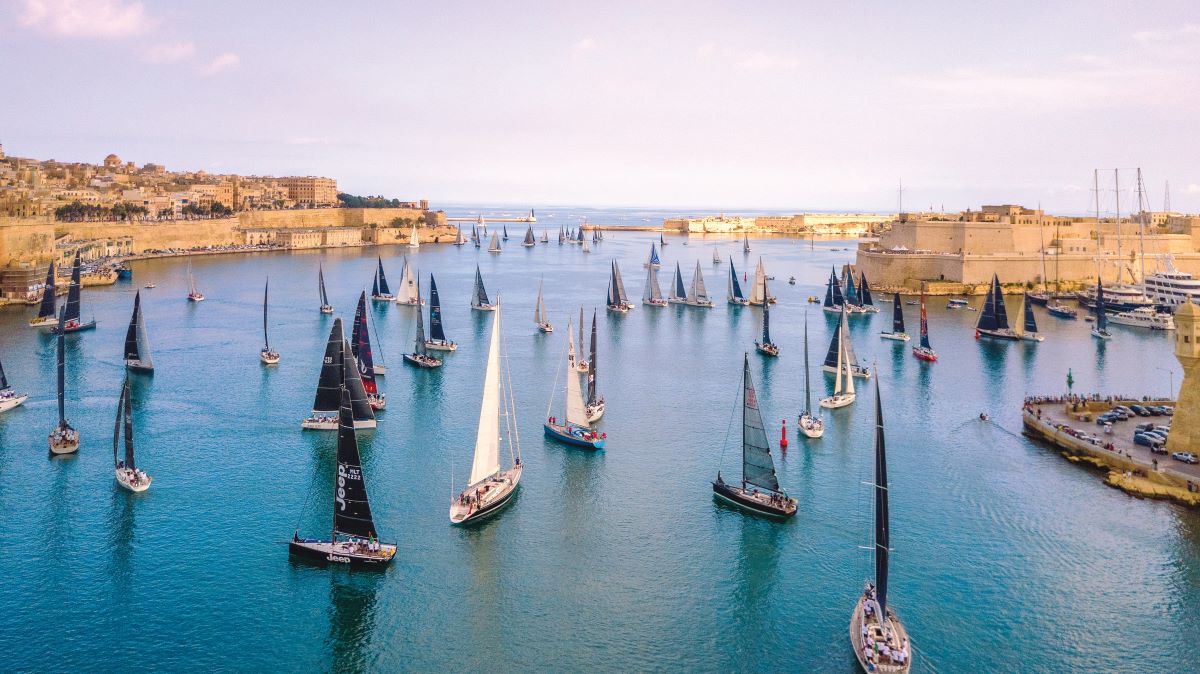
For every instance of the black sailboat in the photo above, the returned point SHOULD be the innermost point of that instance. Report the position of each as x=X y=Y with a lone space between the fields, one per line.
x=617 y=300
x=420 y=354
x=735 y=288
x=873 y=622
x=128 y=475
x=833 y=294
x=529 y=241
x=594 y=408
x=137 y=344
x=72 y=321
x=63 y=439
x=759 y=491
x=864 y=294
x=48 y=311
x=505 y=228
x=334 y=376
x=326 y=308
x=354 y=539
x=479 y=296
x=360 y=348
x=267 y=355
x=766 y=346
x=993 y=320
x=678 y=294
x=1100 y=330
x=437 y=333
x=1029 y=329
x=897 y=332
x=379 y=287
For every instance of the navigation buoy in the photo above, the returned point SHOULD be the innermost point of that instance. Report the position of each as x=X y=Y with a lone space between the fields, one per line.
x=783 y=436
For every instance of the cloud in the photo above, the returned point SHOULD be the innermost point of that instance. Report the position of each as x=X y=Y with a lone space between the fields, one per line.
x=1093 y=60
x=220 y=64
x=309 y=140
x=584 y=46
x=171 y=52
x=761 y=60
x=85 y=18
x=707 y=49
x=1193 y=188
x=1186 y=31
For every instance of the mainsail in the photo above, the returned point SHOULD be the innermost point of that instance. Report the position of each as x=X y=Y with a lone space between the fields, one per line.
x=1030 y=322
x=480 y=297
x=321 y=285
x=351 y=508
x=766 y=336
x=353 y=382
x=330 y=382
x=851 y=359
x=266 y=292
x=73 y=292
x=487 y=437
x=619 y=296
x=758 y=294
x=864 y=291
x=591 y=388
x=576 y=414
x=1101 y=310
x=529 y=240
x=851 y=291
x=653 y=291
x=678 y=292
x=993 y=316
x=419 y=340
x=3 y=380
x=745 y=243
x=436 y=332
x=124 y=418
x=408 y=293
x=137 y=344
x=383 y=286
x=882 y=539
x=897 y=314
x=360 y=347
x=697 y=293
x=924 y=326
x=735 y=288
x=48 y=309
x=494 y=246
x=758 y=468
x=539 y=310
x=653 y=261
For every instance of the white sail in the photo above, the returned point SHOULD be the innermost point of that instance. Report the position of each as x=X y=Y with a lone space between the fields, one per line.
x=413 y=242
x=837 y=377
x=845 y=347
x=758 y=294
x=143 y=343
x=539 y=311
x=487 y=438
x=576 y=413
x=697 y=292
x=408 y=287
x=571 y=343
x=653 y=291
x=716 y=257
x=494 y=246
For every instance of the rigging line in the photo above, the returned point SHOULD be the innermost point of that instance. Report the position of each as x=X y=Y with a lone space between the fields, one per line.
x=557 y=370
x=729 y=428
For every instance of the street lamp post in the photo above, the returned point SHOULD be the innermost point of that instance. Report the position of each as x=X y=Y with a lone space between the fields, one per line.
x=1171 y=379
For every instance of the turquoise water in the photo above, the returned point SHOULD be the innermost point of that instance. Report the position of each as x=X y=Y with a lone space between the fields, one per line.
x=617 y=560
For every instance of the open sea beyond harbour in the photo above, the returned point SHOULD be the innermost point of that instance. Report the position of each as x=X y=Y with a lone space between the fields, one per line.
x=1006 y=557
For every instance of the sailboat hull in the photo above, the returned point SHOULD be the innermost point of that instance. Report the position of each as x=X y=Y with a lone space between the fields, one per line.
x=326 y=309
x=577 y=437
x=545 y=327
x=269 y=357
x=1006 y=334
x=739 y=301
x=753 y=501
x=7 y=404
x=412 y=303
x=620 y=308
x=435 y=346
x=811 y=426
x=899 y=637
x=501 y=489
x=383 y=298
x=833 y=402
x=326 y=552
x=927 y=355
x=125 y=480
x=594 y=411
x=857 y=370
x=427 y=362
x=767 y=349
x=328 y=421
x=48 y=323
x=75 y=327
x=897 y=336
x=59 y=448
x=483 y=307
x=139 y=366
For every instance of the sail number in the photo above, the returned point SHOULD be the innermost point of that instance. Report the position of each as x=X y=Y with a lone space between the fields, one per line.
x=345 y=473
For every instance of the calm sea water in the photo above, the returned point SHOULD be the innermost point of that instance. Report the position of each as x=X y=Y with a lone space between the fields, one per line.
x=617 y=560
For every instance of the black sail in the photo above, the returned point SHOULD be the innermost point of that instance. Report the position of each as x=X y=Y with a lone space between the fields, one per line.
x=73 y=292
x=120 y=417
x=321 y=285
x=128 y=427
x=831 y=356
x=62 y=368
x=1001 y=312
x=882 y=542
x=354 y=384
x=360 y=347
x=330 y=384
x=47 y=310
x=758 y=468
x=266 y=291
x=987 y=317
x=897 y=314
x=864 y=291
x=766 y=336
x=351 y=509
x=592 y=364
x=1030 y=321
x=383 y=286
x=131 y=341
x=3 y=379
x=436 y=332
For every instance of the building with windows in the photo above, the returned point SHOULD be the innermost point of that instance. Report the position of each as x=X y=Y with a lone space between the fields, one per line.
x=311 y=190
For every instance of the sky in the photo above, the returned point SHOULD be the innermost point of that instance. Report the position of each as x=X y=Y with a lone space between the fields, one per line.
x=694 y=105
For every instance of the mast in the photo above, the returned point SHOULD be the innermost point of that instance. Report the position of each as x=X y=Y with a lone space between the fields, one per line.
x=848 y=350
x=882 y=538
x=62 y=368
x=383 y=286
x=120 y=415
x=1042 y=250
x=766 y=336
x=487 y=438
x=580 y=331
x=1141 y=190
x=73 y=292
x=131 y=335
x=698 y=291
x=924 y=325
x=1099 y=238
x=266 y=290
x=807 y=389
x=352 y=380
x=680 y=293
x=1030 y=323
x=321 y=285
x=128 y=405
x=420 y=338
x=591 y=399
x=1101 y=312
x=481 y=297
x=897 y=314
x=1117 y=193
x=837 y=340
x=576 y=414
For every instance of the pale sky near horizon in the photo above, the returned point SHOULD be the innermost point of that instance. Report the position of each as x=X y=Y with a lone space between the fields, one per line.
x=695 y=105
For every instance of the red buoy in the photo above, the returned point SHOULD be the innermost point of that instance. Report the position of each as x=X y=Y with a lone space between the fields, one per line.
x=783 y=436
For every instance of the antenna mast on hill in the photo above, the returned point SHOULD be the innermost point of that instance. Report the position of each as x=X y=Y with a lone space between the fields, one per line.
x=1167 y=198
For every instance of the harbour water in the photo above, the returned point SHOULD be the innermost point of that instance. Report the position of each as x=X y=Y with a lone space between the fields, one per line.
x=612 y=561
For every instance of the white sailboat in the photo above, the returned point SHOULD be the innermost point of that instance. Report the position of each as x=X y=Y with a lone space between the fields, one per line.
x=697 y=294
x=574 y=429
x=413 y=241
x=539 y=313
x=716 y=256
x=490 y=487
x=8 y=397
x=758 y=293
x=409 y=293
x=843 y=381
x=581 y=364
x=194 y=294
x=653 y=295
x=494 y=246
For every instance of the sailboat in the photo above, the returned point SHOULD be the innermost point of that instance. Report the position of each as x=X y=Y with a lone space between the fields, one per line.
x=661 y=241
x=413 y=241
x=811 y=426
x=63 y=439
x=505 y=230
x=326 y=307
x=581 y=364
x=766 y=346
x=653 y=261
x=1100 y=330
x=833 y=294
x=594 y=408
x=545 y=236
x=380 y=292
x=479 y=298
x=652 y=295
x=267 y=355
x=678 y=293
x=759 y=492
x=617 y=300
x=420 y=354
x=72 y=322
x=539 y=313
x=475 y=234
x=494 y=246
x=47 y=316
x=137 y=344
x=459 y=239
x=334 y=377
x=923 y=351
x=410 y=292
x=697 y=294
x=852 y=301
x=586 y=247
x=1029 y=332
x=379 y=365
x=716 y=257
x=745 y=243
x=867 y=303
x=843 y=381
x=529 y=242
x=562 y=236
x=735 y=288
x=128 y=475
x=364 y=358
x=758 y=293
x=993 y=320
x=897 y=332
x=877 y=636
x=194 y=294
x=489 y=487
x=437 y=334
x=8 y=397
x=354 y=540
x=574 y=429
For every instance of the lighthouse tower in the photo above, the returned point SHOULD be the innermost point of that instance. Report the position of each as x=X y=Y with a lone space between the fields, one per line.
x=1185 y=425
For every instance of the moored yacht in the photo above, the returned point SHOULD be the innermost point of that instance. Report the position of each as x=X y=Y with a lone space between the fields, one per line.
x=1171 y=287
x=1144 y=317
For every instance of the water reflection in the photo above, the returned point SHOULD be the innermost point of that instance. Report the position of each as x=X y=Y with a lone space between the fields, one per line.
x=121 y=527
x=352 y=599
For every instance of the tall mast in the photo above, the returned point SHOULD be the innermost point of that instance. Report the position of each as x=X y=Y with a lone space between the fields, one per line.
x=266 y=289
x=882 y=547
x=807 y=393
x=1042 y=245
x=1099 y=238
x=1141 y=225
x=1117 y=192
x=62 y=367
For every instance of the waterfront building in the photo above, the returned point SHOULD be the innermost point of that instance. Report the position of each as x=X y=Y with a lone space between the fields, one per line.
x=311 y=190
x=1185 y=424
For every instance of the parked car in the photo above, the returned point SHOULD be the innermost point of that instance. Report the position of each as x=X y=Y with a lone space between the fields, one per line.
x=1146 y=440
x=1164 y=429
x=1105 y=419
x=1186 y=457
x=1156 y=434
x=1158 y=449
x=1155 y=411
x=1123 y=409
x=1139 y=410
x=1144 y=427
x=1121 y=412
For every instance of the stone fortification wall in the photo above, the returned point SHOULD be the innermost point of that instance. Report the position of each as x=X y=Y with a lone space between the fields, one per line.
x=25 y=240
